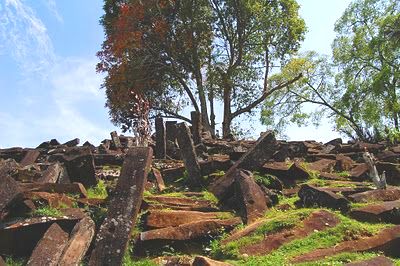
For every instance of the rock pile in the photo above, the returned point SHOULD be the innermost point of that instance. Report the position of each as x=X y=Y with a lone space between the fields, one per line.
x=265 y=202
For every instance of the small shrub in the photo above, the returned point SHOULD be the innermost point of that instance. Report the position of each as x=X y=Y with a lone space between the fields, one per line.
x=98 y=192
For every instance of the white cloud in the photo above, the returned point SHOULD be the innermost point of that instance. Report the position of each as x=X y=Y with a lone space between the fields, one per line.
x=25 y=36
x=73 y=105
x=52 y=7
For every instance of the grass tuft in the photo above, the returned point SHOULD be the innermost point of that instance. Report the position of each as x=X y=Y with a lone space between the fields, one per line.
x=98 y=192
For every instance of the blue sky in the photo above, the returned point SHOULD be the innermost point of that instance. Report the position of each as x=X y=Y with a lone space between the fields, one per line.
x=48 y=84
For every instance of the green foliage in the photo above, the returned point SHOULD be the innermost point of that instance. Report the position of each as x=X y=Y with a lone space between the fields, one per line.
x=210 y=197
x=14 y=262
x=265 y=180
x=47 y=211
x=99 y=191
x=186 y=52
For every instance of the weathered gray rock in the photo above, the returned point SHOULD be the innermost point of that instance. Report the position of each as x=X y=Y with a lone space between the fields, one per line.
x=377 y=261
x=189 y=157
x=114 y=234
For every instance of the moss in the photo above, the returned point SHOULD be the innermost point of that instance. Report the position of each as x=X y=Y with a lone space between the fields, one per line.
x=47 y=211
x=98 y=192
x=343 y=174
x=312 y=173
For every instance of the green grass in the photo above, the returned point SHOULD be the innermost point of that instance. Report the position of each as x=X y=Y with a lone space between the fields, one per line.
x=343 y=258
x=312 y=173
x=210 y=197
x=14 y=262
x=275 y=220
x=343 y=174
x=347 y=229
x=98 y=192
x=46 y=211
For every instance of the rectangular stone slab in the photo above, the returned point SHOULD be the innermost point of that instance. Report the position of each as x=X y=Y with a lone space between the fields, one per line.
x=79 y=242
x=189 y=156
x=75 y=188
x=9 y=192
x=114 y=234
x=51 y=174
x=30 y=157
x=253 y=159
x=50 y=247
x=161 y=140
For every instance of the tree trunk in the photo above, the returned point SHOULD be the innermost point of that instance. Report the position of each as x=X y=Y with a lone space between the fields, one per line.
x=212 y=113
x=226 y=124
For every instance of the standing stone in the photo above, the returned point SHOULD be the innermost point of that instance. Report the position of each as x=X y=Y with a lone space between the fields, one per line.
x=189 y=156
x=115 y=140
x=196 y=127
x=161 y=141
x=79 y=243
x=170 y=130
x=30 y=157
x=114 y=234
x=50 y=247
x=159 y=179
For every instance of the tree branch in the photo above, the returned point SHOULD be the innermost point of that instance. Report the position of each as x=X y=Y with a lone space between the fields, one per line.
x=265 y=95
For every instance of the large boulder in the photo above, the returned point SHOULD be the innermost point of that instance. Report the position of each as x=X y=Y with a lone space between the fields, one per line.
x=313 y=196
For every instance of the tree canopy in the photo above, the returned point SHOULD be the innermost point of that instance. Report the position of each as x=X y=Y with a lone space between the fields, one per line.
x=359 y=88
x=170 y=54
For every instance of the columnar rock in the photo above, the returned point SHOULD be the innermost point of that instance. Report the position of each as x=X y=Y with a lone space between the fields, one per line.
x=9 y=192
x=78 y=244
x=115 y=140
x=79 y=163
x=50 y=247
x=72 y=143
x=114 y=234
x=161 y=141
x=196 y=126
x=189 y=156
x=52 y=173
x=388 y=212
x=250 y=200
x=170 y=130
x=30 y=157
x=254 y=158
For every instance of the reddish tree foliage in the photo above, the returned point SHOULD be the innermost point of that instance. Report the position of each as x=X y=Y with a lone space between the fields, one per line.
x=127 y=60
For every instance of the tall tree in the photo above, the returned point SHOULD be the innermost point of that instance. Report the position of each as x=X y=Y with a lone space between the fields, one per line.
x=193 y=52
x=359 y=89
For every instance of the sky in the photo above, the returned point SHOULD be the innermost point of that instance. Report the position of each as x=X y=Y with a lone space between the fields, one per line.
x=48 y=84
